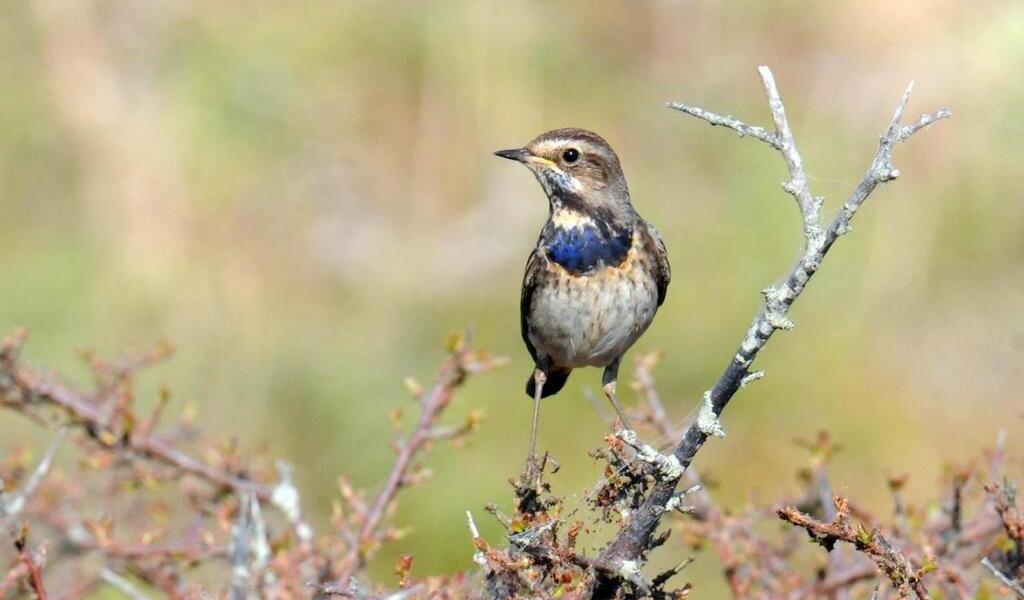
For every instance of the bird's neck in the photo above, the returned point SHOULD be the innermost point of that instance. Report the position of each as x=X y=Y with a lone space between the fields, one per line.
x=582 y=243
x=609 y=206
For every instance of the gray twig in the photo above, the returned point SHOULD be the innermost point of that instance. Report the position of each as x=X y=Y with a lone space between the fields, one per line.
x=731 y=122
x=478 y=556
x=1003 y=578
x=11 y=505
x=249 y=549
x=122 y=584
x=285 y=497
x=635 y=538
x=432 y=405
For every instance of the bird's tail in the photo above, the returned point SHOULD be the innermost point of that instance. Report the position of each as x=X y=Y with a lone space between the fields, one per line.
x=555 y=381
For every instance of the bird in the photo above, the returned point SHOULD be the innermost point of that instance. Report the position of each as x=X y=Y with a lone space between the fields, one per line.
x=598 y=273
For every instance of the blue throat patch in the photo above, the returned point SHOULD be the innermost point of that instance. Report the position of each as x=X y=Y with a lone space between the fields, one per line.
x=582 y=249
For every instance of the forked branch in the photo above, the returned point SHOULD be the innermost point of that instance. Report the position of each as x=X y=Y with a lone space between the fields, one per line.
x=636 y=536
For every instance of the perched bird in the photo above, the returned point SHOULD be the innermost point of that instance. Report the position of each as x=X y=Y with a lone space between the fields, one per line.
x=599 y=272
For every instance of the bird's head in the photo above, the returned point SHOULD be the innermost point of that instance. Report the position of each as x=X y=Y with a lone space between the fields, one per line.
x=578 y=170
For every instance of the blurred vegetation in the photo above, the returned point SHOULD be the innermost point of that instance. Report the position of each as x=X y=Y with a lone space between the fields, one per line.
x=301 y=196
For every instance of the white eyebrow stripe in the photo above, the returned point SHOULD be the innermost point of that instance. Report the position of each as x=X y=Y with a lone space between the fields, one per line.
x=582 y=144
x=552 y=144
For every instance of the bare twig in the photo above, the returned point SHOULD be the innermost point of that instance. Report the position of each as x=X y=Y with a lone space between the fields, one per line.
x=433 y=403
x=14 y=576
x=635 y=538
x=24 y=388
x=122 y=584
x=249 y=549
x=733 y=123
x=643 y=376
x=285 y=496
x=1003 y=496
x=12 y=505
x=1015 y=587
x=35 y=574
x=888 y=558
x=31 y=564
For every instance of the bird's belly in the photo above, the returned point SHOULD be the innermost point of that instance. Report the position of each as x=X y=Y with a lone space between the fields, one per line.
x=590 y=320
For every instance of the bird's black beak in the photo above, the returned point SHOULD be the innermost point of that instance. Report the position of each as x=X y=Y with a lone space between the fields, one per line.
x=517 y=154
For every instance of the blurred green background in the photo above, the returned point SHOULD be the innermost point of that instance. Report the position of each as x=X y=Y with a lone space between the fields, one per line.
x=301 y=196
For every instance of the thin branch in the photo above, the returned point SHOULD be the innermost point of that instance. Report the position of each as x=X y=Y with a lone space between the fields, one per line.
x=432 y=404
x=731 y=122
x=285 y=496
x=478 y=542
x=20 y=387
x=643 y=375
x=1004 y=501
x=122 y=584
x=35 y=574
x=11 y=506
x=810 y=207
x=886 y=556
x=17 y=573
x=32 y=565
x=249 y=551
x=635 y=538
x=1003 y=578
x=840 y=581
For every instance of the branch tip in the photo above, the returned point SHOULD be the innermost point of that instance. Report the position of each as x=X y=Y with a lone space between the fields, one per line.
x=707 y=420
x=751 y=378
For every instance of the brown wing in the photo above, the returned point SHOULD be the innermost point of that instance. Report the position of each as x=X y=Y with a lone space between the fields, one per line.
x=662 y=270
x=530 y=277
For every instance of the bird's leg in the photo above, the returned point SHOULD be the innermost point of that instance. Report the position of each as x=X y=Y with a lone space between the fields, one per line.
x=539 y=377
x=609 y=379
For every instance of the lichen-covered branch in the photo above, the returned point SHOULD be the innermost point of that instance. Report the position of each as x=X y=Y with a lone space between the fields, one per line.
x=636 y=536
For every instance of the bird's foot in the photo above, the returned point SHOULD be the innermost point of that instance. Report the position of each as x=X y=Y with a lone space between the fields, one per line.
x=530 y=488
x=621 y=420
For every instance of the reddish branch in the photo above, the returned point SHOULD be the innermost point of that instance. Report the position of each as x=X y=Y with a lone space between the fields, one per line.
x=279 y=557
x=17 y=573
x=886 y=556
x=1013 y=520
x=432 y=403
x=31 y=567
x=541 y=559
x=21 y=389
x=1008 y=565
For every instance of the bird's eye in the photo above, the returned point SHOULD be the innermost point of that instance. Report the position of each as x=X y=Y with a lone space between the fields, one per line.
x=571 y=155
